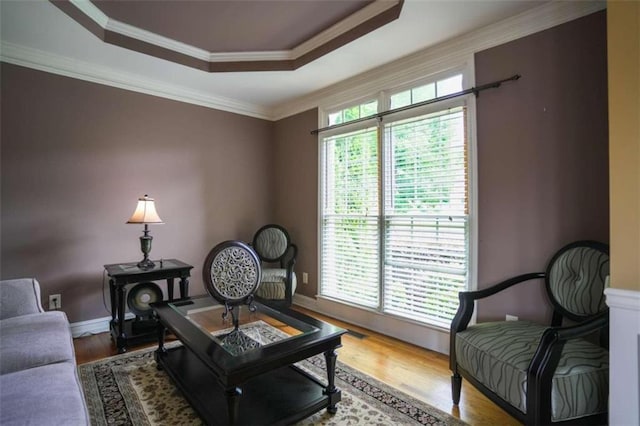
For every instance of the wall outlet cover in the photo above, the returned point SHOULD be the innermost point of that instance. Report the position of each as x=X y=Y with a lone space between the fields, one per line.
x=55 y=302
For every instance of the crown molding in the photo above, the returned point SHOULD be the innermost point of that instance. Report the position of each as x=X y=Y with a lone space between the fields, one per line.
x=155 y=39
x=44 y=61
x=449 y=54
x=360 y=17
x=318 y=42
x=110 y=24
x=91 y=11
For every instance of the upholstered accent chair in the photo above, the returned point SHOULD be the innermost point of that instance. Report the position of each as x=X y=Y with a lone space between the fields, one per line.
x=543 y=374
x=278 y=255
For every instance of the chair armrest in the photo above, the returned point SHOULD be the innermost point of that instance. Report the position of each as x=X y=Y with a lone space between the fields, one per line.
x=467 y=303
x=545 y=361
x=288 y=291
x=19 y=297
x=291 y=254
x=555 y=337
x=601 y=321
x=496 y=288
x=467 y=298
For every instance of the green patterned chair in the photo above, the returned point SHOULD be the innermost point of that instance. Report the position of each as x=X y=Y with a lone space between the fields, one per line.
x=541 y=374
x=278 y=256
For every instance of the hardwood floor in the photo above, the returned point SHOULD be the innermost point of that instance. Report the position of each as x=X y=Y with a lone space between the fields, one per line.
x=418 y=372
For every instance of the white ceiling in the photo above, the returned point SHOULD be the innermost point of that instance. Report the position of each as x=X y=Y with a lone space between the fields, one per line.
x=39 y=25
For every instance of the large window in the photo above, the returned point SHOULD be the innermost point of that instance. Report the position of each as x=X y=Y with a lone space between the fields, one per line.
x=395 y=206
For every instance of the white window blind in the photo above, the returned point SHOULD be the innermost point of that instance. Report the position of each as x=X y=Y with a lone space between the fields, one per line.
x=425 y=216
x=350 y=222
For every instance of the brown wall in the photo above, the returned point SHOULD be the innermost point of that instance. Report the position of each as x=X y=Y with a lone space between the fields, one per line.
x=542 y=161
x=75 y=157
x=296 y=197
x=542 y=157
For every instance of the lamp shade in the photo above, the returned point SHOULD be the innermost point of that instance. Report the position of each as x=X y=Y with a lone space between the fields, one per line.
x=145 y=212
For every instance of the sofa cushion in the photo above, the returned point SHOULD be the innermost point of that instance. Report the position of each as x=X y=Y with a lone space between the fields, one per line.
x=19 y=297
x=46 y=395
x=33 y=340
x=498 y=355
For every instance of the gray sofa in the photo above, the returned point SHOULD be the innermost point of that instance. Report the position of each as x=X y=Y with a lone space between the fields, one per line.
x=38 y=377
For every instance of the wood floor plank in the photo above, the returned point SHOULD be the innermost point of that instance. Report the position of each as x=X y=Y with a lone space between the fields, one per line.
x=421 y=373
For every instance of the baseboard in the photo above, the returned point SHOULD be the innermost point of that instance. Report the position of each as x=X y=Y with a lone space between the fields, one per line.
x=427 y=337
x=411 y=332
x=305 y=301
x=101 y=325
x=93 y=326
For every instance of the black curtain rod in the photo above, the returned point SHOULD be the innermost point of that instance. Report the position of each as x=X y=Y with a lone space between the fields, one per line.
x=475 y=90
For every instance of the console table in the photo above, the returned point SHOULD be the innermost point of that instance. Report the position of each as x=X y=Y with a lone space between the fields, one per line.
x=121 y=274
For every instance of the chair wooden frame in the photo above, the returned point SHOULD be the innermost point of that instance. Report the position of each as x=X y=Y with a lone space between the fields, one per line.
x=545 y=360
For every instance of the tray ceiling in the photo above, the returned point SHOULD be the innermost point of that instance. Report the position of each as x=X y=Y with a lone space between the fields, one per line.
x=233 y=26
x=227 y=35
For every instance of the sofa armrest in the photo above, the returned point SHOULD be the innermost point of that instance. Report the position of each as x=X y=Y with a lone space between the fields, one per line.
x=19 y=297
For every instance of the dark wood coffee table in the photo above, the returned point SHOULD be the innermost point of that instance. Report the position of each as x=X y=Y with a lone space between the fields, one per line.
x=247 y=376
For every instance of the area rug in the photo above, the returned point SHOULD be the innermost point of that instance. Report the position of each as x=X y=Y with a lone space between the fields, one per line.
x=127 y=389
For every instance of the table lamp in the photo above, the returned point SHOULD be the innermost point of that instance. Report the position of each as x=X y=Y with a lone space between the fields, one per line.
x=145 y=213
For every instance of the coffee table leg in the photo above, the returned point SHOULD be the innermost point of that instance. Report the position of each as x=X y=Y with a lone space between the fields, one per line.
x=331 y=390
x=233 y=404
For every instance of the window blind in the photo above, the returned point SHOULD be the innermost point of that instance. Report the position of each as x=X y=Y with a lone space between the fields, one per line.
x=350 y=221
x=425 y=215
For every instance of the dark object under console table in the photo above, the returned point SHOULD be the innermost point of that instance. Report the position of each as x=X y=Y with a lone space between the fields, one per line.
x=123 y=331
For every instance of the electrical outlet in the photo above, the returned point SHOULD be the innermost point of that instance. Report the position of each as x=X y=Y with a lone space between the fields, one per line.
x=511 y=318
x=55 y=302
x=305 y=278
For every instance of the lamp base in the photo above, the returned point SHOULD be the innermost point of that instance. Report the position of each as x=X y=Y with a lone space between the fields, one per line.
x=146 y=264
x=145 y=246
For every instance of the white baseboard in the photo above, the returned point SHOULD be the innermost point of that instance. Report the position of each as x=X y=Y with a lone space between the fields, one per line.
x=424 y=336
x=305 y=301
x=417 y=334
x=624 y=356
x=94 y=326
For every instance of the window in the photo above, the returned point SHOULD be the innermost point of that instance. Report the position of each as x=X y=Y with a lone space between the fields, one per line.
x=353 y=113
x=395 y=210
x=427 y=92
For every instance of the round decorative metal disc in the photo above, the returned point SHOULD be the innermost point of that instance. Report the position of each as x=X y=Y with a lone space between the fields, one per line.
x=141 y=296
x=232 y=272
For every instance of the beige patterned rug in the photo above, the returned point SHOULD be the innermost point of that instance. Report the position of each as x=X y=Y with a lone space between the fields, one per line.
x=127 y=389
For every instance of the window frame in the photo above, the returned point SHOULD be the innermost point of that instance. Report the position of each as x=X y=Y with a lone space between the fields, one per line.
x=384 y=101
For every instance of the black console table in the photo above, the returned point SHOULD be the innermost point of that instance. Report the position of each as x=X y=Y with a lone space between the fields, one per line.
x=121 y=274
